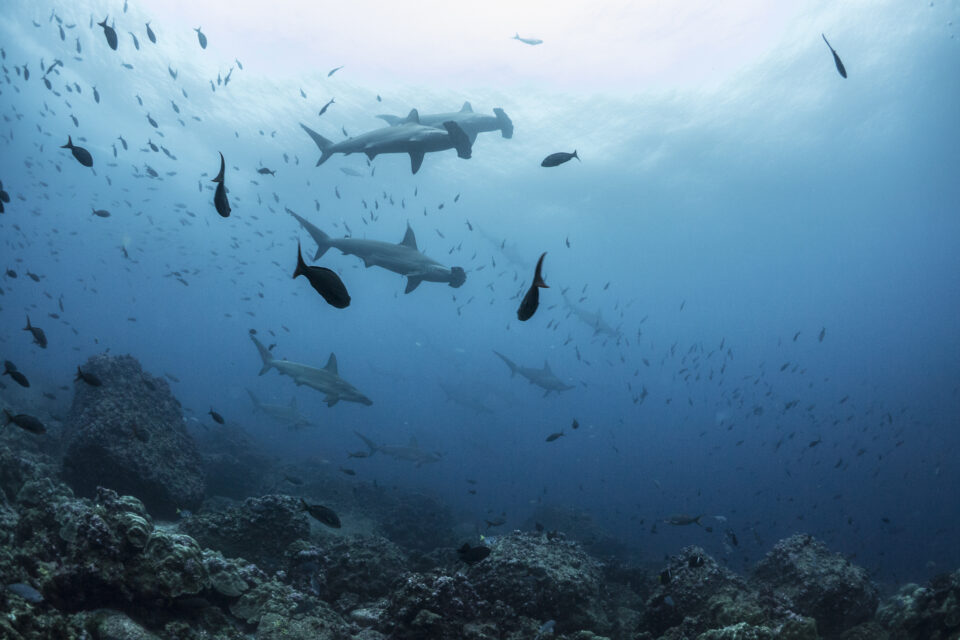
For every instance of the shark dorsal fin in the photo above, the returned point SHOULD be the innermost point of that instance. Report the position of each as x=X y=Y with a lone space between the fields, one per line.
x=466 y=108
x=409 y=239
x=413 y=116
x=331 y=363
x=546 y=367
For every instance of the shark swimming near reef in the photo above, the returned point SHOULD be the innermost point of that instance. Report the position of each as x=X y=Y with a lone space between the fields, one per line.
x=403 y=258
x=411 y=452
x=408 y=136
x=471 y=122
x=543 y=378
x=326 y=380
x=285 y=414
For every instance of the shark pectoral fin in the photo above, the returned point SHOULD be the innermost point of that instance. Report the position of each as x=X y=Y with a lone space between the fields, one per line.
x=416 y=159
x=331 y=400
x=371 y=154
x=412 y=283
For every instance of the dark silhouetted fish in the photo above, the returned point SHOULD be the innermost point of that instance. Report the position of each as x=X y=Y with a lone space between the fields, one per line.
x=82 y=155
x=530 y=41
x=681 y=520
x=151 y=34
x=558 y=158
x=25 y=422
x=136 y=43
x=26 y=592
x=216 y=416
x=202 y=38
x=264 y=171
x=324 y=514
x=109 y=33
x=554 y=436
x=102 y=213
x=220 y=196
x=325 y=107
x=836 y=59
x=96 y=95
x=531 y=301
x=10 y=369
x=153 y=123
x=472 y=555
x=324 y=281
x=39 y=337
x=334 y=70
x=89 y=378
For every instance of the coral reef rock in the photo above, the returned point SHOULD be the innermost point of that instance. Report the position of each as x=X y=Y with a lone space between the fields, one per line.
x=128 y=435
x=931 y=612
x=818 y=584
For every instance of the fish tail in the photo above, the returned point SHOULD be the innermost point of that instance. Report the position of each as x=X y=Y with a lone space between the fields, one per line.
x=576 y=156
x=223 y=166
x=301 y=265
x=104 y=23
x=537 y=277
x=825 y=40
x=28 y=327
x=69 y=144
x=265 y=355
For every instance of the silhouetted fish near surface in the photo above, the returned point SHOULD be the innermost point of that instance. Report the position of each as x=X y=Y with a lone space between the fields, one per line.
x=82 y=155
x=202 y=38
x=264 y=171
x=109 y=33
x=472 y=555
x=554 y=436
x=324 y=514
x=558 y=158
x=101 y=213
x=527 y=40
x=220 y=195
x=334 y=70
x=325 y=107
x=39 y=337
x=531 y=301
x=836 y=59
x=25 y=422
x=89 y=378
x=324 y=281
x=216 y=416
x=10 y=369
x=151 y=34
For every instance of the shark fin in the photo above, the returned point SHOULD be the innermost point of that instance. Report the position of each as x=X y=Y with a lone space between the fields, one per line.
x=253 y=398
x=461 y=142
x=331 y=364
x=413 y=116
x=367 y=441
x=510 y=363
x=409 y=239
x=412 y=283
x=466 y=108
x=265 y=355
x=416 y=159
x=370 y=153
x=391 y=120
x=321 y=142
x=506 y=124
x=331 y=400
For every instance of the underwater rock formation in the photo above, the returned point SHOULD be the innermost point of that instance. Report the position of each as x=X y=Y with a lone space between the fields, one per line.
x=259 y=530
x=818 y=583
x=128 y=435
x=931 y=612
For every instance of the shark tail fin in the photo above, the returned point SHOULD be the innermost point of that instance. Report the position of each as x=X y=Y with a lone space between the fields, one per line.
x=254 y=400
x=265 y=355
x=367 y=441
x=505 y=123
x=460 y=139
x=510 y=363
x=321 y=142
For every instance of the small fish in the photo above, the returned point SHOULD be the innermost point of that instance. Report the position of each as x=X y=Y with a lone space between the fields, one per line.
x=324 y=514
x=836 y=59
x=109 y=33
x=325 y=107
x=102 y=213
x=201 y=38
x=96 y=95
x=358 y=454
x=264 y=171
x=10 y=369
x=294 y=480
x=82 y=155
x=123 y=142
x=136 y=43
x=575 y=425
x=324 y=281
x=153 y=123
x=530 y=41
x=89 y=378
x=558 y=158
x=26 y=592
x=823 y=333
x=472 y=555
x=334 y=70
x=39 y=337
x=216 y=416
x=554 y=436
x=173 y=74
x=349 y=472
x=496 y=523
x=220 y=195
x=25 y=422
x=681 y=520
x=151 y=34
x=532 y=300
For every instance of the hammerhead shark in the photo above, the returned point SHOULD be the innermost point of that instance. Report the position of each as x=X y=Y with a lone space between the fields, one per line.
x=285 y=414
x=543 y=378
x=326 y=380
x=594 y=320
x=471 y=123
x=408 y=136
x=411 y=452
x=403 y=258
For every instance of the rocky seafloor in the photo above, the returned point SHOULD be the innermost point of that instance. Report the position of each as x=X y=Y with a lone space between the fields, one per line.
x=98 y=541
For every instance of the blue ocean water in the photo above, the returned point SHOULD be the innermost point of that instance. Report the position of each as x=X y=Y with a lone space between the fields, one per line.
x=772 y=246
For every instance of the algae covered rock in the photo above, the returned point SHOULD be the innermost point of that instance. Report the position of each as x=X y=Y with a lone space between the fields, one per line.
x=365 y=567
x=128 y=435
x=259 y=529
x=929 y=612
x=818 y=583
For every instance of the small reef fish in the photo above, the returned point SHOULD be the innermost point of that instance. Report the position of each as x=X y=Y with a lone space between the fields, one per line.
x=110 y=34
x=39 y=337
x=324 y=281
x=531 y=301
x=836 y=59
x=25 y=422
x=558 y=158
x=82 y=155
x=220 y=196
x=321 y=513
x=89 y=378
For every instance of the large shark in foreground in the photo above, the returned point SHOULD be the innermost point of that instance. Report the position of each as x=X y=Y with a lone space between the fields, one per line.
x=285 y=414
x=543 y=378
x=326 y=380
x=411 y=452
x=403 y=258
x=471 y=123
x=408 y=136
